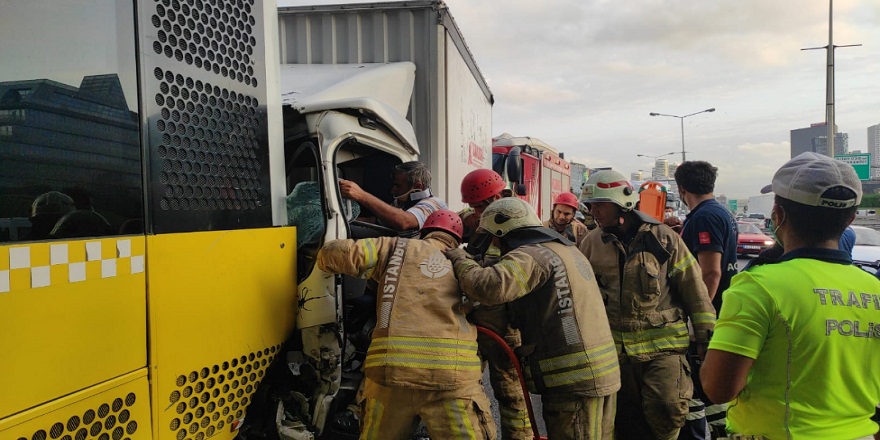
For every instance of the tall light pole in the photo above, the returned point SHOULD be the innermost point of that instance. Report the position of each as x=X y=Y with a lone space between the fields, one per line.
x=681 y=118
x=829 y=79
x=655 y=160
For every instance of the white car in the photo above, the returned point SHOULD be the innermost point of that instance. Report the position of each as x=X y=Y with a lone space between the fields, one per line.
x=867 y=248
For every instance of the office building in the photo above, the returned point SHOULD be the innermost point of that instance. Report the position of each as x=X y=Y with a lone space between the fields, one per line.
x=661 y=169
x=841 y=144
x=802 y=138
x=874 y=146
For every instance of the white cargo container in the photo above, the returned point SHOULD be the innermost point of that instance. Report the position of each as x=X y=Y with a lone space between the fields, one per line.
x=451 y=105
x=762 y=204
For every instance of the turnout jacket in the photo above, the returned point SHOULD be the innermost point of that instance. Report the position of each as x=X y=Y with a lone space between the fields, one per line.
x=422 y=339
x=575 y=231
x=650 y=288
x=566 y=342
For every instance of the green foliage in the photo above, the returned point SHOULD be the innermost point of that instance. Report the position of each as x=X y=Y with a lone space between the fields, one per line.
x=870 y=201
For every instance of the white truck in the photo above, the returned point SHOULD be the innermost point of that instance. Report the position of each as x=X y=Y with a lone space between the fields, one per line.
x=364 y=87
x=762 y=204
x=451 y=106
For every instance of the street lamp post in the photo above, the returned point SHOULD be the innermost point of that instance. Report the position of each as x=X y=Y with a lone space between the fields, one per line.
x=681 y=118
x=655 y=159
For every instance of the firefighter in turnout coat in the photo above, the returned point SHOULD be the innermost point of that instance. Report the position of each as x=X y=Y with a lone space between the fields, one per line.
x=651 y=285
x=422 y=361
x=567 y=351
x=479 y=188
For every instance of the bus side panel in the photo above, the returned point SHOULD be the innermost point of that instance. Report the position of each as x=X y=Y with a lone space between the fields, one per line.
x=72 y=314
x=119 y=408
x=221 y=305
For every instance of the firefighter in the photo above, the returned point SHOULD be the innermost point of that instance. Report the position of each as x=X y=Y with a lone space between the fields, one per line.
x=479 y=188
x=567 y=351
x=563 y=220
x=422 y=361
x=651 y=284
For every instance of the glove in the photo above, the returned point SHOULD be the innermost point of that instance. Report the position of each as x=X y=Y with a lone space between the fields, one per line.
x=454 y=255
x=478 y=244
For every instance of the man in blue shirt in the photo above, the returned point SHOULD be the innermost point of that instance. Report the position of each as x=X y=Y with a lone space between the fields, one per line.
x=710 y=233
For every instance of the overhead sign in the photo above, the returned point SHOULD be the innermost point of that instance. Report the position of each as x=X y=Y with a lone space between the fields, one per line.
x=731 y=204
x=860 y=162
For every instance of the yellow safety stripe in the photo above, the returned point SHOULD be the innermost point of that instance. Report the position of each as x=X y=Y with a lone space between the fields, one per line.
x=432 y=362
x=493 y=251
x=415 y=341
x=373 y=412
x=703 y=318
x=518 y=274
x=597 y=412
x=592 y=355
x=647 y=341
x=463 y=265
x=674 y=329
x=514 y=419
x=460 y=425
x=683 y=264
x=658 y=345
x=581 y=374
x=371 y=256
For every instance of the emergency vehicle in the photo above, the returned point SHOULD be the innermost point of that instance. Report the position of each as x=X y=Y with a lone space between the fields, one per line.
x=536 y=171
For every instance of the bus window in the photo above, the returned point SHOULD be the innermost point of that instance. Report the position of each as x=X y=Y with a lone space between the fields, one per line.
x=70 y=156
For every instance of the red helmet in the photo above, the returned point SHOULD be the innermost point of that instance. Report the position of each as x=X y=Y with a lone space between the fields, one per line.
x=567 y=199
x=444 y=220
x=479 y=185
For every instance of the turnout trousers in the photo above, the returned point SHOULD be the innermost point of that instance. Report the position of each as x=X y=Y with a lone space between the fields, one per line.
x=653 y=399
x=515 y=423
x=575 y=417
x=392 y=413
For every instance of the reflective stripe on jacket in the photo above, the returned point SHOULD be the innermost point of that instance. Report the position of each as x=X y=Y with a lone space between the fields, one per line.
x=567 y=345
x=650 y=288
x=422 y=339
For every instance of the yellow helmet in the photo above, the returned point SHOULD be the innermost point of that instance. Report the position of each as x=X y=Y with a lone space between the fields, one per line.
x=611 y=186
x=506 y=214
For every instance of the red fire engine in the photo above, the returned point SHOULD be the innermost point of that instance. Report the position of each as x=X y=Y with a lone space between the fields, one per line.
x=536 y=171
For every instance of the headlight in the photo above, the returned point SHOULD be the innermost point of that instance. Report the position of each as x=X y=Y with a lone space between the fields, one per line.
x=768 y=242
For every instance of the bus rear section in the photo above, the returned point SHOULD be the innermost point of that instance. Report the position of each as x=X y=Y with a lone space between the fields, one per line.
x=147 y=278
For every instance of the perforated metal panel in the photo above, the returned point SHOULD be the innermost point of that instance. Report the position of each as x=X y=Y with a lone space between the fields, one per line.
x=203 y=71
x=111 y=420
x=211 y=399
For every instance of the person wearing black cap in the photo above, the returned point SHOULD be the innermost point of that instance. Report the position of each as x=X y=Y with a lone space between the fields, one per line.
x=796 y=343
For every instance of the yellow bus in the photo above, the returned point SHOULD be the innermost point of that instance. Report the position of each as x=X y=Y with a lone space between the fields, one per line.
x=147 y=275
x=165 y=185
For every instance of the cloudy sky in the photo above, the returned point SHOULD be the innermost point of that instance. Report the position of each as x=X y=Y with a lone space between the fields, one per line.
x=583 y=75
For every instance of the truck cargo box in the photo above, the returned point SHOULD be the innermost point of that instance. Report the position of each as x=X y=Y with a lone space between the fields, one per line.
x=451 y=107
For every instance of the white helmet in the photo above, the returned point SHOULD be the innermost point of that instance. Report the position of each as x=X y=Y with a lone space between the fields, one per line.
x=611 y=186
x=507 y=214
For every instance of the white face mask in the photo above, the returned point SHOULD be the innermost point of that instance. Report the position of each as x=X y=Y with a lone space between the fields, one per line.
x=776 y=228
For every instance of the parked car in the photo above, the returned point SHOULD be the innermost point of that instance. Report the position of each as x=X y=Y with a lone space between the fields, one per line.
x=751 y=240
x=867 y=246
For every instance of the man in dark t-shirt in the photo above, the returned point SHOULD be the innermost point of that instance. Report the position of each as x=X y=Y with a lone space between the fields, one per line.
x=711 y=229
x=710 y=233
